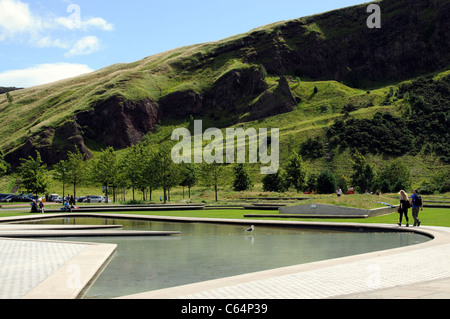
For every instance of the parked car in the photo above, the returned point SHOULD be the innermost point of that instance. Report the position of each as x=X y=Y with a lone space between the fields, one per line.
x=81 y=199
x=52 y=197
x=58 y=199
x=5 y=197
x=94 y=199
x=20 y=199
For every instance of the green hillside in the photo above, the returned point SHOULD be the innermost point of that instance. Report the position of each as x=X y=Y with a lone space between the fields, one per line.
x=327 y=81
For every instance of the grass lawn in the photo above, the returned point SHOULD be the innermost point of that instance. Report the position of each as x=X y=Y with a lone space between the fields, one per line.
x=429 y=217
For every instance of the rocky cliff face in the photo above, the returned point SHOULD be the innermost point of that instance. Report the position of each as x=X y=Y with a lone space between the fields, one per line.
x=233 y=94
x=119 y=123
x=52 y=144
x=414 y=39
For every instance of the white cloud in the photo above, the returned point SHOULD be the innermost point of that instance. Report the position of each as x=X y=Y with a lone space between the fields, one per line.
x=19 y=23
x=42 y=74
x=48 y=41
x=84 y=46
x=16 y=18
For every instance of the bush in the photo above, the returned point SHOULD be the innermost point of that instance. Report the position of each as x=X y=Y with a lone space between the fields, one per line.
x=242 y=181
x=326 y=183
x=400 y=185
x=275 y=182
x=385 y=186
x=312 y=148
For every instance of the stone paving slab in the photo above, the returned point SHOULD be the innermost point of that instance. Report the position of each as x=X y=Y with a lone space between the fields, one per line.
x=69 y=281
x=25 y=264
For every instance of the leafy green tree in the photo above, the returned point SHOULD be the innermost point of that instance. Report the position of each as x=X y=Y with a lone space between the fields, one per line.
x=189 y=177
x=275 y=182
x=61 y=174
x=104 y=169
x=311 y=182
x=166 y=173
x=295 y=172
x=395 y=174
x=76 y=169
x=120 y=182
x=242 y=180
x=326 y=183
x=385 y=186
x=342 y=183
x=135 y=163
x=212 y=175
x=312 y=148
x=363 y=175
x=33 y=175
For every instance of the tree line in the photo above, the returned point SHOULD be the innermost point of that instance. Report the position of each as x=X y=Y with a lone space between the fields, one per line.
x=146 y=168
x=142 y=168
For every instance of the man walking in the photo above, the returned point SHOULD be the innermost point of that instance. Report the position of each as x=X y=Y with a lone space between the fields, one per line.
x=416 y=204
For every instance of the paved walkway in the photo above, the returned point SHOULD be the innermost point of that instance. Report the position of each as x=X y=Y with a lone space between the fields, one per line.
x=25 y=264
x=55 y=270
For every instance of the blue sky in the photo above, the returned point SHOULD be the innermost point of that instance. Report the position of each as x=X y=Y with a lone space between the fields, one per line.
x=44 y=41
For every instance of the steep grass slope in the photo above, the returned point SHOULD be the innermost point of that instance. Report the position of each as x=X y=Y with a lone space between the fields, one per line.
x=264 y=78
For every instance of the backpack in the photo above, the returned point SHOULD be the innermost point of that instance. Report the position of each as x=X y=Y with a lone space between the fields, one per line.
x=407 y=204
x=417 y=201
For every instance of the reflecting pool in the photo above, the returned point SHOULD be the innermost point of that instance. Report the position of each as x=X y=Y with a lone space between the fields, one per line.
x=208 y=251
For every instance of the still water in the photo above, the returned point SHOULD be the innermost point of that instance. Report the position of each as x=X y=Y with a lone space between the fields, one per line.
x=206 y=251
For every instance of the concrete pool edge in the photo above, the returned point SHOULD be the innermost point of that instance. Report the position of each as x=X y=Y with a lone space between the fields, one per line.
x=211 y=289
x=76 y=275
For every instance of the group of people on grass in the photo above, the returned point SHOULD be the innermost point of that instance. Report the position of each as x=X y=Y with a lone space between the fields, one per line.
x=415 y=202
x=37 y=207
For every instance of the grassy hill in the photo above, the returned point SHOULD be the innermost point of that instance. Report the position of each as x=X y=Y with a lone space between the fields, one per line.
x=336 y=69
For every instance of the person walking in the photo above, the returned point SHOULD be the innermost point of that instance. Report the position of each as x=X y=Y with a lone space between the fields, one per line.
x=403 y=209
x=417 y=205
x=41 y=207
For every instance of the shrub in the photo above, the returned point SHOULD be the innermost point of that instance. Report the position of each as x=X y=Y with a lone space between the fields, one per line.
x=326 y=183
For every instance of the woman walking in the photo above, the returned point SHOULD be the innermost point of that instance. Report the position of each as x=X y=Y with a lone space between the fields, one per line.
x=403 y=209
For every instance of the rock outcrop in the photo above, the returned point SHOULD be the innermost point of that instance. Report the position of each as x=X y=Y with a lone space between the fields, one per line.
x=118 y=122
x=52 y=144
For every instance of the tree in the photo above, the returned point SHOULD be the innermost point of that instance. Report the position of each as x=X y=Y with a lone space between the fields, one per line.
x=135 y=163
x=275 y=182
x=76 y=169
x=104 y=169
x=363 y=175
x=32 y=173
x=120 y=181
x=242 y=180
x=341 y=181
x=60 y=174
x=395 y=174
x=189 y=174
x=295 y=172
x=166 y=172
x=326 y=183
x=212 y=175
x=311 y=182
